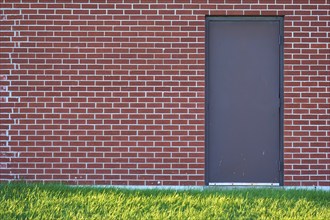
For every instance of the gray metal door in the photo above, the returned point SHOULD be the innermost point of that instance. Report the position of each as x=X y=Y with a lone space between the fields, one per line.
x=243 y=101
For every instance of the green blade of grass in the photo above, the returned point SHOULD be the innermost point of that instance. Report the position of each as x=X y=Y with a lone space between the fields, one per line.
x=55 y=201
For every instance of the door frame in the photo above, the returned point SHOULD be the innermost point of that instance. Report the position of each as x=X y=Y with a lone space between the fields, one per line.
x=279 y=19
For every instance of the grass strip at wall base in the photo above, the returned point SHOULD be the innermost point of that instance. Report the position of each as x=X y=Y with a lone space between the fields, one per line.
x=55 y=201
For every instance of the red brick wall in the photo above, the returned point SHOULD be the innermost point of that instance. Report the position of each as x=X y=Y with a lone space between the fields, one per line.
x=112 y=92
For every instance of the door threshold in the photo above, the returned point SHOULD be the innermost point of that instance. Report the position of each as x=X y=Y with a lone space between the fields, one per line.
x=244 y=184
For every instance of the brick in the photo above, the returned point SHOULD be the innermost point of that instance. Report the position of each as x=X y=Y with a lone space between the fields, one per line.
x=122 y=86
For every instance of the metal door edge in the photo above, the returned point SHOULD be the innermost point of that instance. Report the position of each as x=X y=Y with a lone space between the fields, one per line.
x=244 y=184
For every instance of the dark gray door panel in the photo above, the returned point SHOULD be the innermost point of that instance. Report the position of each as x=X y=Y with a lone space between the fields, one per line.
x=243 y=143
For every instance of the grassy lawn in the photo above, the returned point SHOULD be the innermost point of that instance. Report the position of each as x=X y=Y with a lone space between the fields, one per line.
x=36 y=201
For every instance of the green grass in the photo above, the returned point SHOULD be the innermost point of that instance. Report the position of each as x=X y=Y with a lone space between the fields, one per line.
x=36 y=201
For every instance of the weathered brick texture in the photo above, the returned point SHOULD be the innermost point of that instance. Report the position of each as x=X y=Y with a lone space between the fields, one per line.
x=112 y=92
